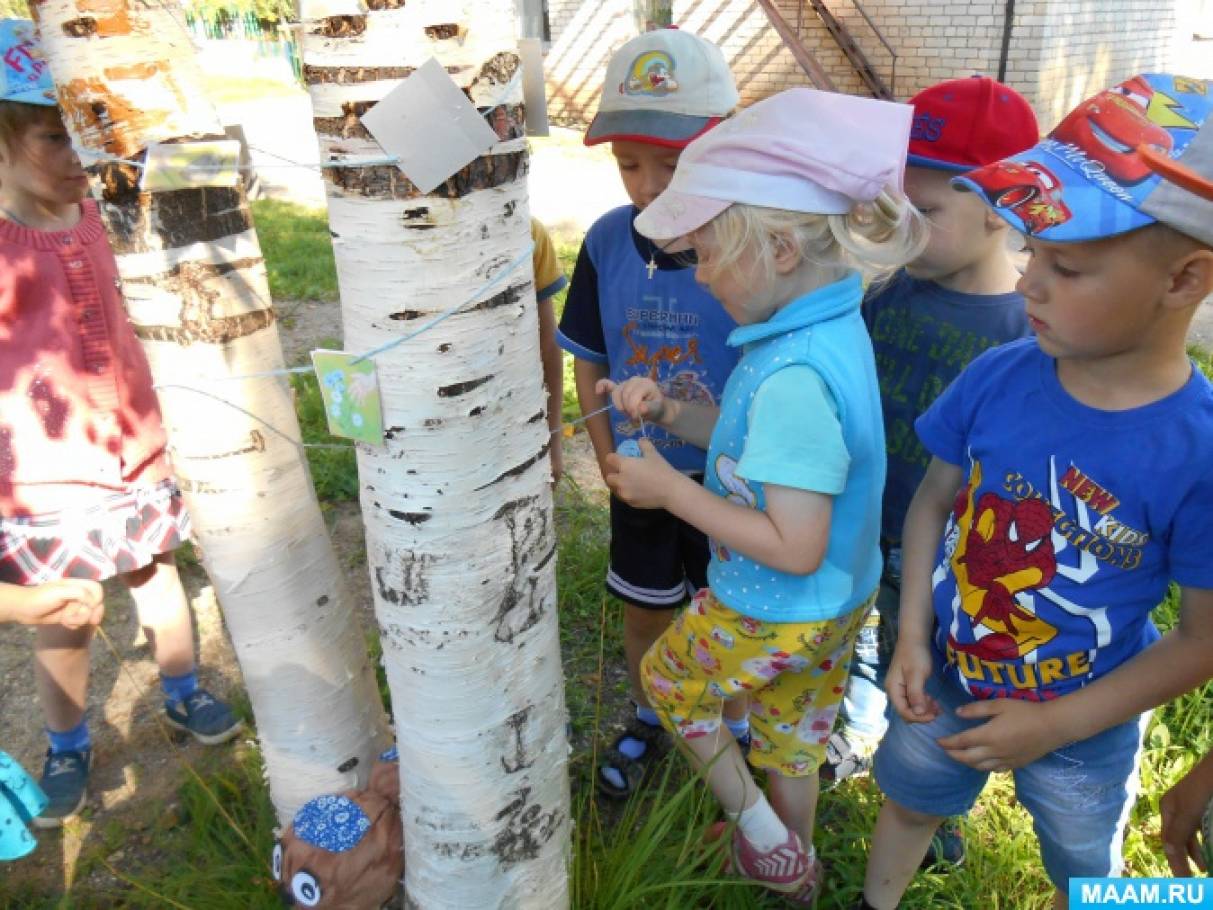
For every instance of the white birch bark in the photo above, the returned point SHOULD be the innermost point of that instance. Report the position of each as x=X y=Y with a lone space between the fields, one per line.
x=457 y=503
x=196 y=293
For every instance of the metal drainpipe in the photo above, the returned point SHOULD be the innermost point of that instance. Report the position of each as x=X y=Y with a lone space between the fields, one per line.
x=1008 y=23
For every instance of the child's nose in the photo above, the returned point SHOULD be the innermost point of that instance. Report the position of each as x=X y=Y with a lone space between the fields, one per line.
x=1027 y=285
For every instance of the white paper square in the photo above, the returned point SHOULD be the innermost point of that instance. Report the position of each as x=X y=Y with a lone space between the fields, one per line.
x=430 y=125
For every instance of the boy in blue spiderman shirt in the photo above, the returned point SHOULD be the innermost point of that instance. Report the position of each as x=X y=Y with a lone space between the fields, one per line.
x=1069 y=486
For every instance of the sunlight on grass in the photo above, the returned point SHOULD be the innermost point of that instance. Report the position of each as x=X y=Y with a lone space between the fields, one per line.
x=298 y=250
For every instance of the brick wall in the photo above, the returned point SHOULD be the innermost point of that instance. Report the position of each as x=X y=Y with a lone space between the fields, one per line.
x=1086 y=45
x=1060 y=50
x=584 y=35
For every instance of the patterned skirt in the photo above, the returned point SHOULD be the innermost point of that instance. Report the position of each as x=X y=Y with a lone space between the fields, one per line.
x=112 y=535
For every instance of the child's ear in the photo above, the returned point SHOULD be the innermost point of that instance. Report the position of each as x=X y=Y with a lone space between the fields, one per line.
x=787 y=255
x=1191 y=279
x=994 y=222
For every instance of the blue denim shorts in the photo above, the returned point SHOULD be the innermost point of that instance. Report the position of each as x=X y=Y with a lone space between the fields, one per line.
x=1079 y=796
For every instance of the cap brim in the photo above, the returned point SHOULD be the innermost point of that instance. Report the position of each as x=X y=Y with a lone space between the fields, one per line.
x=654 y=127
x=40 y=97
x=673 y=214
x=935 y=165
x=1039 y=193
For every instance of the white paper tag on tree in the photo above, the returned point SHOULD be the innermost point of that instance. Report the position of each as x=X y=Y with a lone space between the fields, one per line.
x=430 y=125
x=190 y=165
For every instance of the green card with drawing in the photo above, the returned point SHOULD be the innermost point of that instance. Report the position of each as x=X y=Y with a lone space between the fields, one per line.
x=350 y=390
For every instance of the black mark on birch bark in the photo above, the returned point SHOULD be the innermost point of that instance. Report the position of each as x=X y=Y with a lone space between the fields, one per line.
x=413 y=518
x=527 y=829
x=442 y=32
x=80 y=28
x=348 y=765
x=519 y=761
x=521 y=606
x=455 y=389
x=505 y=298
x=414 y=580
x=144 y=222
x=389 y=182
x=207 y=331
x=340 y=26
x=517 y=469
x=499 y=68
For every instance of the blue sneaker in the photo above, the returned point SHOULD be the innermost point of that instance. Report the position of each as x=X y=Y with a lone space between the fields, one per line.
x=65 y=783
x=204 y=717
x=947 y=850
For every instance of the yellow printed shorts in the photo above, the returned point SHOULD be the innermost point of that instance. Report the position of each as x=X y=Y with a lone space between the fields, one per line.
x=794 y=675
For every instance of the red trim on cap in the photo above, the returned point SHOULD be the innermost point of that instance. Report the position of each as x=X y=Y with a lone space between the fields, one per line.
x=652 y=140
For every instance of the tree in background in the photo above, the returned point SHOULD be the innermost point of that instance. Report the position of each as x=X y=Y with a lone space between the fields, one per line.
x=457 y=501
x=196 y=293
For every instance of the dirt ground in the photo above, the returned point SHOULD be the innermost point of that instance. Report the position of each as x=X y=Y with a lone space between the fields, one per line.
x=137 y=768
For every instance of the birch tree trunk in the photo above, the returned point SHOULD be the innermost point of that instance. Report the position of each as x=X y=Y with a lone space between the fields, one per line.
x=196 y=292
x=457 y=503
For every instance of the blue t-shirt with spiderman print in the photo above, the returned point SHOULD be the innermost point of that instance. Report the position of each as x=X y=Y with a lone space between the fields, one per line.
x=1070 y=525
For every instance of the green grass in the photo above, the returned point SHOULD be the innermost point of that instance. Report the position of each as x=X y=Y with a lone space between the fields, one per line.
x=298 y=250
x=334 y=470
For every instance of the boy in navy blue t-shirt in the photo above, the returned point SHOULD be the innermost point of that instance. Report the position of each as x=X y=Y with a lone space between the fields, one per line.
x=635 y=310
x=1069 y=486
x=927 y=323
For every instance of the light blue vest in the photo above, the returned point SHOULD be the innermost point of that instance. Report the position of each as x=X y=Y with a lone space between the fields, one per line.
x=822 y=330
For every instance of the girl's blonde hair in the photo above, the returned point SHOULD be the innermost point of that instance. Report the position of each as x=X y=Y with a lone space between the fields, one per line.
x=877 y=237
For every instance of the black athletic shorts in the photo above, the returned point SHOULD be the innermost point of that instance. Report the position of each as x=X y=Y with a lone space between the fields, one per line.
x=657 y=559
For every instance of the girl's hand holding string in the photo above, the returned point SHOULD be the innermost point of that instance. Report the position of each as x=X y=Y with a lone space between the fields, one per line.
x=70 y=602
x=639 y=397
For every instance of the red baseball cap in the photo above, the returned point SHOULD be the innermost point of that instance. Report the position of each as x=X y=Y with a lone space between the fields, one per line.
x=964 y=124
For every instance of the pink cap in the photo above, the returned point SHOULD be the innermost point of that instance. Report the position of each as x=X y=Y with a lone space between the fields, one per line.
x=801 y=150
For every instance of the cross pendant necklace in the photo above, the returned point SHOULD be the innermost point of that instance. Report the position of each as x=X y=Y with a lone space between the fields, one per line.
x=652 y=266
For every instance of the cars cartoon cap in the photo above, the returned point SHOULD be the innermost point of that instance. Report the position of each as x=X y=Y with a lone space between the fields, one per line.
x=26 y=78
x=1099 y=173
x=664 y=87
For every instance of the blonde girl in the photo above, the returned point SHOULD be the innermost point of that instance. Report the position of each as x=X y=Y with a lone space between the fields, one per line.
x=783 y=206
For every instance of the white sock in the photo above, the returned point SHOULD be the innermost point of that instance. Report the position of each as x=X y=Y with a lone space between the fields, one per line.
x=761 y=826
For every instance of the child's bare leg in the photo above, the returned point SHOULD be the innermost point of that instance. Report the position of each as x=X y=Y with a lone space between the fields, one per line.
x=61 y=659
x=898 y=846
x=641 y=627
x=727 y=776
x=737 y=708
x=794 y=800
x=165 y=613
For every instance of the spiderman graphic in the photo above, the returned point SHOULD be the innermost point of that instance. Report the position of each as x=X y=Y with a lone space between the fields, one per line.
x=1004 y=549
